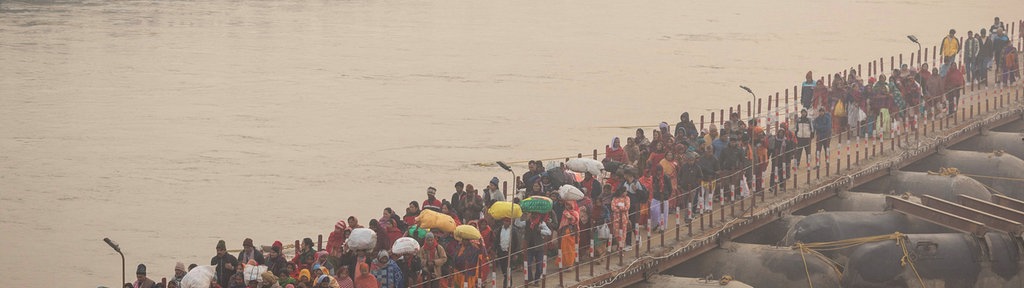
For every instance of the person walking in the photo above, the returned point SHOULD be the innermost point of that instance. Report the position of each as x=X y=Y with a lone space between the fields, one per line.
x=460 y=193
x=637 y=196
x=225 y=264
x=661 y=191
x=999 y=43
x=507 y=242
x=492 y=193
x=365 y=279
x=996 y=24
x=1011 y=66
x=276 y=262
x=823 y=129
x=687 y=179
x=568 y=228
x=807 y=90
x=983 y=60
x=434 y=258
x=432 y=203
x=536 y=233
x=620 y=216
x=179 y=273
x=954 y=82
x=335 y=239
x=615 y=151
x=685 y=127
x=804 y=134
x=249 y=252
x=971 y=48
x=472 y=204
x=303 y=259
x=387 y=271
x=950 y=47
x=141 y=280
x=780 y=148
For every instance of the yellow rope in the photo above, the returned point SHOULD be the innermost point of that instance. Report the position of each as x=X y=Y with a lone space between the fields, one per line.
x=847 y=243
x=906 y=258
x=953 y=172
x=806 y=270
x=835 y=266
x=725 y=280
x=900 y=239
x=944 y=171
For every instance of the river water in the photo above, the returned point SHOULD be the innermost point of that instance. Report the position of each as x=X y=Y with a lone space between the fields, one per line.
x=167 y=125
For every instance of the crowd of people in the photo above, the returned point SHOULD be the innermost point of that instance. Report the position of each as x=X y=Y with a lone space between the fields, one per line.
x=677 y=168
x=986 y=50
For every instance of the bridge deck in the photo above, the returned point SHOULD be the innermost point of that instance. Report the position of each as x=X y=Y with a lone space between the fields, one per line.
x=676 y=245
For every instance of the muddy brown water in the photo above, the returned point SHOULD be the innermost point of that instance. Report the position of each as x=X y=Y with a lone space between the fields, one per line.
x=167 y=125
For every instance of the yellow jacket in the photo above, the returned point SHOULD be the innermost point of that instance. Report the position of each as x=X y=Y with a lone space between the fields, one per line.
x=950 y=46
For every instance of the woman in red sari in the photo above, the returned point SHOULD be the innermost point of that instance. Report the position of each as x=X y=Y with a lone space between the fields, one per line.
x=337 y=237
x=567 y=231
x=615 y=152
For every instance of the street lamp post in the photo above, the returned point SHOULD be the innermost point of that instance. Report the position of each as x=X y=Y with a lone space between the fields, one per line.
x=514 y=183
x=749 y=91
x=914 y=39
x=118 y=249
x=753 y=172
x=751 y=95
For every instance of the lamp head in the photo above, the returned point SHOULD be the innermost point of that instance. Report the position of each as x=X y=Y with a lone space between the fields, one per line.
x=747 y=89
x=913 y=39
x=112 y=244
x=504 y=166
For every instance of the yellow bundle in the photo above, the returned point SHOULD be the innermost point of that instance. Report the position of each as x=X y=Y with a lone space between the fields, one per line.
x=505 y=209
x=466 y=232
x=429 y=219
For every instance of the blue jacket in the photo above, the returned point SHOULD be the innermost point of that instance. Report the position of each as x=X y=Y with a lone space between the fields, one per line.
x=718 y=146
x=390 y=275
x=806 y=93
x=823 y=126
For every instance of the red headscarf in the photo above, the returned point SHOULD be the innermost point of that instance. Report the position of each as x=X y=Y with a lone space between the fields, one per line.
x=571 y=214
x=337 y=238
x=365 y=279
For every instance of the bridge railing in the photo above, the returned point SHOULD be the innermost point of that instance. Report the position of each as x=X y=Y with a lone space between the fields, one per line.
x=845 y=147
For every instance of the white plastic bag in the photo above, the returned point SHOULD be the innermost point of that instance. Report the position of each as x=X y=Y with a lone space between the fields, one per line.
x=569 y=192
x=744 y=188
x=585 y=165
x=362 y=239
x=521 y=223
x=405 y=245
x=199 y=277
x=603 y=232
x=544 y=230
x=254 y=273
